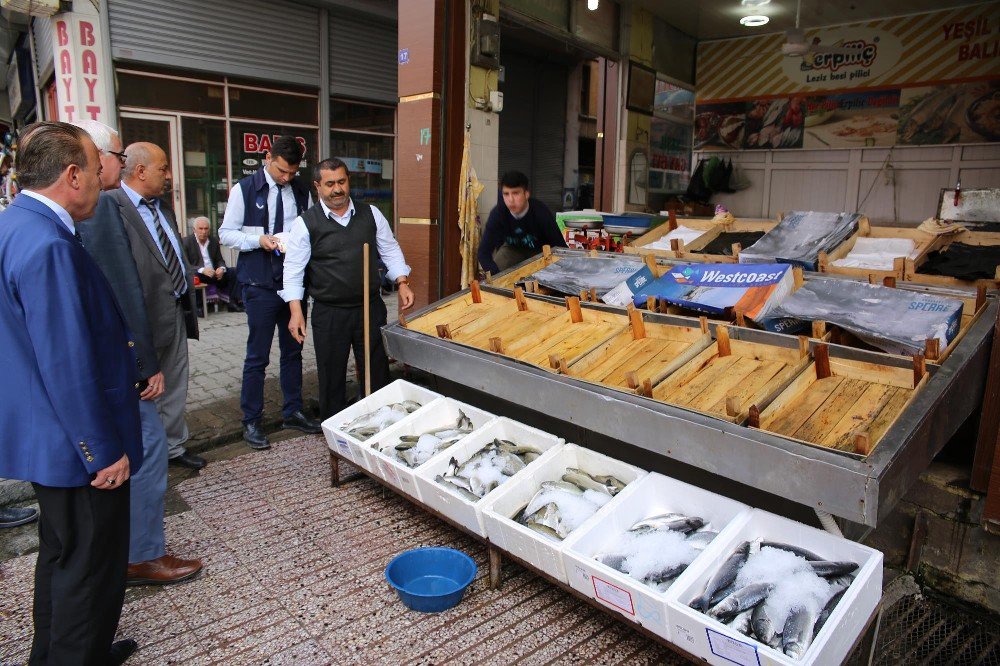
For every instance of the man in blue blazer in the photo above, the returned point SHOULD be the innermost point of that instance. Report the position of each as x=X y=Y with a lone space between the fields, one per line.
x=69 y=401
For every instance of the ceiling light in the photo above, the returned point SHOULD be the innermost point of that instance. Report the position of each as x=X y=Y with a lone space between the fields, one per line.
x=753 y=4
x=592 y=4
x=754 y=21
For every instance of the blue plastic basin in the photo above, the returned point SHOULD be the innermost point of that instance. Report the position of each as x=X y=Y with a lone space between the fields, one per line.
x=638 y=221
x=431 y=580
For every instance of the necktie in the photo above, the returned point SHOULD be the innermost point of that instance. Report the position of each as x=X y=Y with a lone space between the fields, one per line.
x=76 y=232
x=173 y=263
x=279 y=211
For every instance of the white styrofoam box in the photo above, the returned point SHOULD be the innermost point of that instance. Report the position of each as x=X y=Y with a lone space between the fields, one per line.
x=654 y=494
x=705 y=637
x=506 y=501
x=440 y=413
x=346 y=445
x=459 y=509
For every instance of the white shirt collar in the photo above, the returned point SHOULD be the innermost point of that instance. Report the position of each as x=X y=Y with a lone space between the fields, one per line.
x=269 y=179
x=64 y=217
x=346 y=216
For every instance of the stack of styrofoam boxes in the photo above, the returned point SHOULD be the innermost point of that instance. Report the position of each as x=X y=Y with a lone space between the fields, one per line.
x=525 y=544
x=468 y=514
x=352 y=448
x=716 y=643
x=654 y=495
x=438 y=415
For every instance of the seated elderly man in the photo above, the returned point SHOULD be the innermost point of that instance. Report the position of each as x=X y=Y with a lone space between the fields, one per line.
x=203 y=251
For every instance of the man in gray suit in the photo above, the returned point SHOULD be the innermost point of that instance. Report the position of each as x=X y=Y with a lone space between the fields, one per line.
x=106 y=241
x=167 y=285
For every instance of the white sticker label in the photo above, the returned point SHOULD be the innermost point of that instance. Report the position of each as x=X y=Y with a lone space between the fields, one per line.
x=389 y=473
x=345 y=449
x=613 y=595
x=682 y=631
x=735 y=651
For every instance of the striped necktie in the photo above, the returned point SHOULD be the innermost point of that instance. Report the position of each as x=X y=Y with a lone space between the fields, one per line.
x=173 y=263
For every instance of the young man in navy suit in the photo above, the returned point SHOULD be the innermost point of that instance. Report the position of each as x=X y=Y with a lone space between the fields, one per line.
x=69 y=400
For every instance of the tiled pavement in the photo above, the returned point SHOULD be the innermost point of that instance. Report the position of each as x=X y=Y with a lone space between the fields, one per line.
x=294 y=575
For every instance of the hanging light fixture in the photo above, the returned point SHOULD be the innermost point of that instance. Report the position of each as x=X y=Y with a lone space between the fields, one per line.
x=754 y=21
x=592 y=4
x=754 y=4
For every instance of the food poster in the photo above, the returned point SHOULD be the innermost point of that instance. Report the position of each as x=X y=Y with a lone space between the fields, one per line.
x=922 y=79
x=851 y=120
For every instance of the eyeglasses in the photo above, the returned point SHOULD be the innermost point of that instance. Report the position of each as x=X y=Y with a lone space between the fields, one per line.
x=121 y=156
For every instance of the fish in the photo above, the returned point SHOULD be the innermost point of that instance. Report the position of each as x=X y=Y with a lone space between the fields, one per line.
x=458 y=490
x=797 y=634
x=613 y=560
x=741 y=600
x=487 y=468
x=723 y=576
x=544 y=530
x=741 y=622
x=801 y=552
x=366 y=425
x=670 y=521
x=832 y=569
x=549 y=516
x=668 y=573
x=613 y=484
x=824 y=614
x=701 y=538
x=583 y=480
x=564 y=486
x=763 y=627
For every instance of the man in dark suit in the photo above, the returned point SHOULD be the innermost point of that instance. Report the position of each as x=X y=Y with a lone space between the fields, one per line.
x=69 y=400
x=204 y=254
x=105 y=239
x=167 y=287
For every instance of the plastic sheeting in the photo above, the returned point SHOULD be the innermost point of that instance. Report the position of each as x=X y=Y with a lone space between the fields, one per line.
x=877 y=253
x=685 y=234
x=894 y=320
x=800 y=237
x=571 y=275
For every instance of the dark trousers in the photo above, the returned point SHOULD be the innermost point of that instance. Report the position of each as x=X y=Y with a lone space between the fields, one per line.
x=265 y=311
x=83 y=536
x=335 y=332
x=227 y=285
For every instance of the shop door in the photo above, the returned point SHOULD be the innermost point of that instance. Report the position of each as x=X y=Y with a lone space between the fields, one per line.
x=162 y=130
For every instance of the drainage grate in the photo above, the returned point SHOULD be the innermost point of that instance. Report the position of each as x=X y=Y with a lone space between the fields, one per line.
x=921 y=630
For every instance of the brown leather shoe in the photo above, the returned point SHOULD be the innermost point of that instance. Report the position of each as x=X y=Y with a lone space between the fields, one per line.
x=164 y=570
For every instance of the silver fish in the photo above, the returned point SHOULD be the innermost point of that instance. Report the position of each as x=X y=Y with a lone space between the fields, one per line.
x=564 y=486
x=544 y=530
x=801 y=552
x=701 y=538
x=824 y=614
x=665 y=574
x=832 y=569
x=741 y=622
x=458 y=490
x=613 y=560
x=797 y=634
x=512 y=464
x=583 y=480
x=613 y=484
x=763 y=625
x=672 y=522
x=550 y=517
x=741 y=600
x=723 y=576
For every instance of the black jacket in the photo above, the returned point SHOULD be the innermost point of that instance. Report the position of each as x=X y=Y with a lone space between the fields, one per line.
x=537 y=228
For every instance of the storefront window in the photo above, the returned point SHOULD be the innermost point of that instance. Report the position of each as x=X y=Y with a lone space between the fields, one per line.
x=170 y=94
x=362 y=117
x=247 y=103
x=206 y=189
x=671 y=132
x=369 y=159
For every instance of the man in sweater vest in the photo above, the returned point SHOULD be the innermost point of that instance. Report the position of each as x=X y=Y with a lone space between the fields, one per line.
x=262 y=206
x=325 y=250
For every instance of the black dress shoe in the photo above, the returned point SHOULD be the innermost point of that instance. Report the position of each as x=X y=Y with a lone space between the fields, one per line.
x=255 y=437
x=121 y=651
x=17 y=515
x=299 y=421
x=189 y=460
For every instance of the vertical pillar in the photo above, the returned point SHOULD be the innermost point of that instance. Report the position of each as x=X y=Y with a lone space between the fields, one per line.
x=431 y=56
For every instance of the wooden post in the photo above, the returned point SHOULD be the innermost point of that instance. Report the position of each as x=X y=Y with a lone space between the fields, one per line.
x=803 y=346
x=889 y=281
x=495 y=563
x=703 y=322
x=863 y=443
x=819 y=329
x=980 y=297
x=647 y=387
x=677 y=246
x=496 y=345
x=651 y=303
x=672 y=220
x=722 y=340
x=753 y=416
x=631 y=380
x=366 y=261
x=593 y=295
x=737 y=248
x=334 y=470
x=522 y=302
x=402 y=320
x=741 y=319
x=823 y=262
x=575 y=313
x=919 y=368
x=477 y=296
x=821 y=353
x=932 y=349
x=650 y=261
x=558 y=363
x=638 y=326
x=546 y=251
x=583 y=294
x=798 y=278
x=732 y=405
x=444 y=331
x=899 y=267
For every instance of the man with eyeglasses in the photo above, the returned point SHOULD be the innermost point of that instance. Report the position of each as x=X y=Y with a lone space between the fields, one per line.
x=105 y=239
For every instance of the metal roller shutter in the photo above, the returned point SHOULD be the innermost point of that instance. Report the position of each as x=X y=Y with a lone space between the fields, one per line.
x=261 y=39
x=41 y=29
x=363 y=62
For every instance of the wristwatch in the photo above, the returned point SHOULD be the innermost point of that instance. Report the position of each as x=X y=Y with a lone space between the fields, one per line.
x=402 y=280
